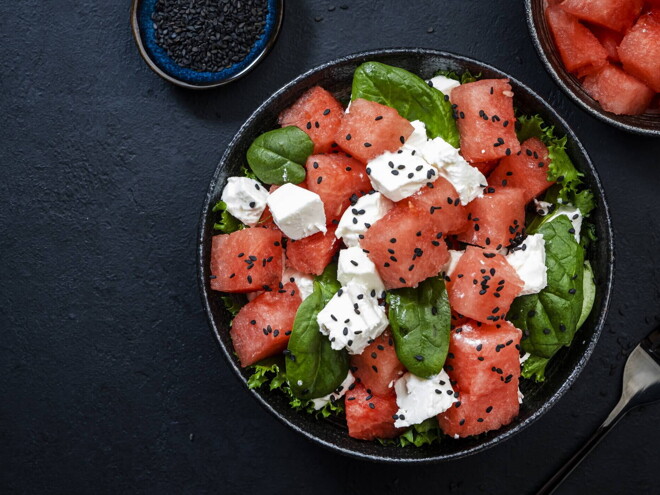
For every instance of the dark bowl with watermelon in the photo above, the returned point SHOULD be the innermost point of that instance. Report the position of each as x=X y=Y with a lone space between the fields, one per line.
x=647 y=123
x=336 y=76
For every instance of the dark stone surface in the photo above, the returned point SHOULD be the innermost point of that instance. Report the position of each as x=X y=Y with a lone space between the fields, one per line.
x=112 y=380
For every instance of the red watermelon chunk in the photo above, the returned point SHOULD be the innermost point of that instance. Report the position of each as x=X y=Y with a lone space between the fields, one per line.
x=617 y=91
x=378 y=366
x=485 y=167
x=614 y=14
x=246 y=260
x=526 y=170
x=262 y=327
x=440 y=206
x=484 y=358
x=485 y=119
x=610 y=41
x=640 y=50
x=496 y=219
x=404 y=249
x=577 y=46
x=335 y=178
x=317 y=113
x=370 y=129
x=312 y=254
x=370 y=416
x=483 y=286
x=478 y=414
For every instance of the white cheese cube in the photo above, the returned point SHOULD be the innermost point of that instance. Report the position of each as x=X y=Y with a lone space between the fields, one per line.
x=338 y=393
x=418 y=137
x=421 y=398
x=443 y=84
x=245 y=199
x=400 y=174
x=352 y=319
x=359 y=217
x=528 y=260
x=574 y=215
x=466 y=179
x=296 y=211
x=303 y=281
x=355 y=266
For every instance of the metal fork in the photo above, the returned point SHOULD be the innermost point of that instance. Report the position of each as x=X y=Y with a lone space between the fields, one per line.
x=641 y=385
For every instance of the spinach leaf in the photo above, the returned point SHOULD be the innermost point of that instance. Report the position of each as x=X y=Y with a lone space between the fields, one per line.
x=463 y=78
x=425 y=433
x=227 y=223
x=588 y=293
x=550 y=318
x=420 y=319
x=278 y=156
x=313 y=368
x=409 y=95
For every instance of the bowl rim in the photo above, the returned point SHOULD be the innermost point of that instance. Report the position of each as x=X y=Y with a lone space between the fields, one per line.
x=594 y=109
x=144 y=53
x=607 y=282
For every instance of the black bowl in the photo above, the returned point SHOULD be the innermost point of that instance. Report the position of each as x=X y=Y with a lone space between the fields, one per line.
x=647 y=124
x=565 y=367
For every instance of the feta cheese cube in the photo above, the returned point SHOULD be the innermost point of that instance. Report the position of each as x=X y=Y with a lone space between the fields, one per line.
x=359 y=217
x=304 y=282
x=245 y=199
x=418 y=136
x=466 y=179
x=296 y=211
x=338 y=393
x=574 y=215
x=454 y=257
x=355 y=266
x=422 y=398
x=352 y=319
x=528 y=260
x=444 y=84
x=400 y=174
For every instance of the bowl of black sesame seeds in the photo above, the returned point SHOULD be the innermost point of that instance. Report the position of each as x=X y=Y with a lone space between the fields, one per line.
x=336 y=76
x=201 y=44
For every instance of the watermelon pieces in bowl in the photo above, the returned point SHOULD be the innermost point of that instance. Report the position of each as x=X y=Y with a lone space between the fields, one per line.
x=604 y=55
x=382 y=361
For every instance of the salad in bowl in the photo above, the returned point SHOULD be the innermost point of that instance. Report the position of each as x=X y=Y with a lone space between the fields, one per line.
x=402 y=260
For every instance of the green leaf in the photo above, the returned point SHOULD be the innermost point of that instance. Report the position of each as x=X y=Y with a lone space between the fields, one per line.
x=227 y=223
x=550 y=318
x=420 y=319
x=464 y=78
x=279 y=156
x=232 y=305
x=588 y=293
x=409 y=95
x=313 y=367
x=246 y=172
x=425 y=433
x=534 y=368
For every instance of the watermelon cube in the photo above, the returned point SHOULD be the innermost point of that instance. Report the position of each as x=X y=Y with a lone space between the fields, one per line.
x=317 y=113
x=335 y=178
x=483 y=285
x=496 y=219
x=478 y=414
x=370 y=129
x=370 y=416
x=526 y=170
x=485 y=167
x=485 y=121
x=440 y=206
x=484 y=358
x=617 y=91
x=246 y=260
x=640 y=50
x=312 y=254
x=262 y=327
x=610 y=41
x=403 y=247
x=378 y=366
x=578 y=47
x=618 y=15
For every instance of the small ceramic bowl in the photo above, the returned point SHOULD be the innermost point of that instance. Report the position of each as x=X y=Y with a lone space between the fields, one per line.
x=648 y=123
x=336 y=76
x=162 y=64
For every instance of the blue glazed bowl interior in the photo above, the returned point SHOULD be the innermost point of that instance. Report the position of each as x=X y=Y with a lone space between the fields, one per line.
x=159 y=56
x=336 y=77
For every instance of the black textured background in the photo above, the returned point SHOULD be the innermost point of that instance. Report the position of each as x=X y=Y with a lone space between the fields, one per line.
x=111 y=380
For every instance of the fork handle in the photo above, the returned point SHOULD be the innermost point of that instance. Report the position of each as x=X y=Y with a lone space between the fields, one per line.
x=552 y=484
